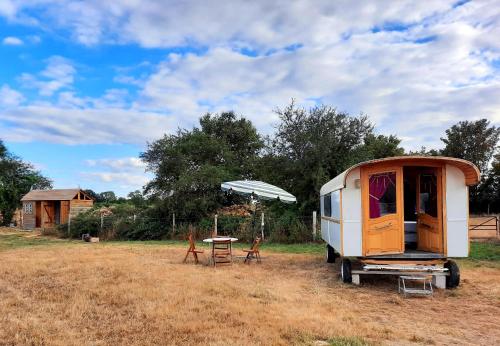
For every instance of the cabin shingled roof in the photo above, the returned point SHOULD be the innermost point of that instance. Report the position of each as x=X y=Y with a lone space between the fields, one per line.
x=51 y=195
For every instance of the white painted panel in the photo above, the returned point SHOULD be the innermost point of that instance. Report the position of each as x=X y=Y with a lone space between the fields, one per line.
x=353 y=245
x=334 y=235
x=458 y=244
x=324 y=230
x=351 y=215
x=456 y=213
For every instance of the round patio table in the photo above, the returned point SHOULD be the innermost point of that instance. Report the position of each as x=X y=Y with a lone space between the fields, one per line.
x=211 y=240
x=224 y=239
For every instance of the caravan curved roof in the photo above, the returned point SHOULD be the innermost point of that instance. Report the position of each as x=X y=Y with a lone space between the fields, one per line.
x=471 y=172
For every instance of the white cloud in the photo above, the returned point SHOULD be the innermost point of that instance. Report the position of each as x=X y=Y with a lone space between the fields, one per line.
x=10 y=97
x=125 y=181
x=67 y=125
x=256 y=24
x=126 y=173
x=120 y=164
x=414 y=67
x=59 y=74
x=12 y=41
x=7 y=8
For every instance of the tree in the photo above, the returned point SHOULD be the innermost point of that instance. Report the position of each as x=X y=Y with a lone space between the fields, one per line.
x=94 y=195
x=424 y=152
x=378 y=147
x=16 y=179
x=313 y=146
x=137 y=198
x=107 y=197
x=475 y=141
x=189 y=166
x=489 y=190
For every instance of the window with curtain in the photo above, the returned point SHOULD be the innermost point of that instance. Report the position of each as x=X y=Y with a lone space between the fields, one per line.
x=382 y=189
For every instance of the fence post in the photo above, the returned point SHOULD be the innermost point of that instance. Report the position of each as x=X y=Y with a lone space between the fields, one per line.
x=173 y=223
x=314 y=225
x=102 y=221
x=262 y=225
x=215 y=225
x=69 y=225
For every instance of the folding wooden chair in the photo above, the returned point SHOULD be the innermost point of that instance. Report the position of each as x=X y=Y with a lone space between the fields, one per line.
x=192 y=249
x=254 y=251
x=222 y=251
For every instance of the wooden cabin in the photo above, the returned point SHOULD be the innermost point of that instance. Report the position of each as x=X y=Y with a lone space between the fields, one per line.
x=398 y=210
x=49 y=208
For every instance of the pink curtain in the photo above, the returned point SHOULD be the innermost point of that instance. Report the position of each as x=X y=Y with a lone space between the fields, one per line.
x=378 y=186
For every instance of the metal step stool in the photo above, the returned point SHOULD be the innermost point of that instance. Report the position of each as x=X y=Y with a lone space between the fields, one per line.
x=425 y=290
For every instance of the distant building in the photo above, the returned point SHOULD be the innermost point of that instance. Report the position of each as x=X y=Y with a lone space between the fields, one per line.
x=49 y=208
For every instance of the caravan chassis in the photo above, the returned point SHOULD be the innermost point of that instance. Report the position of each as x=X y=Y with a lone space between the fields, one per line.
x=445 y=272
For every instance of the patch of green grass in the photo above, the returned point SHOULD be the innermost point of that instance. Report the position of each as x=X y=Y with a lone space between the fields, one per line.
x=308 y=248
x=14 y=241
x=485 y=251
x=347 y=341
x=483 y=254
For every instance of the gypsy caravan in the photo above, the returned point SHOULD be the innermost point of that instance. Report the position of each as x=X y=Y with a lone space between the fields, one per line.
x=399 y=214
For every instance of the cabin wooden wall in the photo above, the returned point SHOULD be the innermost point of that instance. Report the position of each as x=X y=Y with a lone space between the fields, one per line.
x=78 y=206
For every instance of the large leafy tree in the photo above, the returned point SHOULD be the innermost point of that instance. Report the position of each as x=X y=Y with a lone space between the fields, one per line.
x=16 y=179
x=488 y=192
x=313 y=146
x=475 y=141
x=190 y=165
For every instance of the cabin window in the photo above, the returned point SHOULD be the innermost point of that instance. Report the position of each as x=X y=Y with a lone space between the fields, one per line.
x=428 y=194
x=327 y=205
x=382 y=194
x=28 y=208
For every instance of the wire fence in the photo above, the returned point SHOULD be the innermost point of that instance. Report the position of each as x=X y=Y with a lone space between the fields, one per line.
x=139 y=227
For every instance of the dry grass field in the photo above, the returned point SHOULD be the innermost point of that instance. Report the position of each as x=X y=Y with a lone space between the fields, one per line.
x=55 y=292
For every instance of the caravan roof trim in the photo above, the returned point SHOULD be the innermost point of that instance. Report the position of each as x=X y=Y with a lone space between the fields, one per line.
x=471 y=172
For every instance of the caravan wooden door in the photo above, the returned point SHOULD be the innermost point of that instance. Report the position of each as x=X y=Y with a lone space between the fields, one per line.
x=429 y=210
x=382 y=196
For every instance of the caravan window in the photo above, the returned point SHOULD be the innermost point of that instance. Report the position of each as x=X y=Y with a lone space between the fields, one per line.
x=331 y=205
x=336 y=204
x=428 y=194
x=382 y=194
x=327 y=205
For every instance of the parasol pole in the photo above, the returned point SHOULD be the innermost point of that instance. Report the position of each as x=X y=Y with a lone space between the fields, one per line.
x=262 y=225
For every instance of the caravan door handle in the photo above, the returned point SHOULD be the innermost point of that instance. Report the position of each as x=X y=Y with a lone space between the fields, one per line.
x=379 y=228
x=425 y=225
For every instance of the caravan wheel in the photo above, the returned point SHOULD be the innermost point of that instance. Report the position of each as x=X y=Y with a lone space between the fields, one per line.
x=345 y=271
x=452 y=280
x=330 y=254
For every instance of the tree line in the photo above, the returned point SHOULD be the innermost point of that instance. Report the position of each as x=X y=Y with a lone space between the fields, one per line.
x=308 y=148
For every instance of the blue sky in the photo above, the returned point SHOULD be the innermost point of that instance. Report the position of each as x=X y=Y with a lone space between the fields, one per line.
x=85 y=85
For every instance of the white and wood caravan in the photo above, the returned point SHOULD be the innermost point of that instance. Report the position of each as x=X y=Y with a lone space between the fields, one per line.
x=407 y=210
